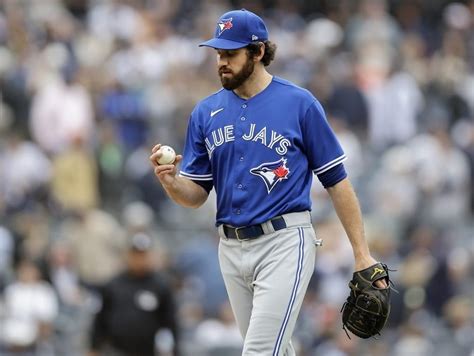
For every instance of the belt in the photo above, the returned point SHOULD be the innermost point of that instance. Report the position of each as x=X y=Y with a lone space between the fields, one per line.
x=252 y=231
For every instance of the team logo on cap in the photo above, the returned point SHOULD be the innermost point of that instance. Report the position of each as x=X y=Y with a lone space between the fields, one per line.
x=272 y=172
x=224 y=24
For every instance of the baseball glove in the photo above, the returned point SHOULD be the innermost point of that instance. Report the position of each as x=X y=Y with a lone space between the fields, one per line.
x=367 y=308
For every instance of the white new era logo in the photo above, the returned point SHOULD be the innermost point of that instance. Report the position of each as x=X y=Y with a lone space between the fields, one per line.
x=216 y=111
x=254 y=38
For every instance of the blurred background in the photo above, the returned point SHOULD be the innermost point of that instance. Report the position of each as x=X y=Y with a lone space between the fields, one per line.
x=87 y=88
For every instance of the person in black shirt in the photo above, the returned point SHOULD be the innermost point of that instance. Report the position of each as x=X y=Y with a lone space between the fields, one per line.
x=138 y=315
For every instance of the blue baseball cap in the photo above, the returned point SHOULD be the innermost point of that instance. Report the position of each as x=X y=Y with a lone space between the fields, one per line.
x=236 y=29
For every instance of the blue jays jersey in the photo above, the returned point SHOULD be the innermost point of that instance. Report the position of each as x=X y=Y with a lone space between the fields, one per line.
x=259 y=153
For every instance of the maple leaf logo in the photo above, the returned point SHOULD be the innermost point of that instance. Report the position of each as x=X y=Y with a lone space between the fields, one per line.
x=224 y=24
x=281 y=172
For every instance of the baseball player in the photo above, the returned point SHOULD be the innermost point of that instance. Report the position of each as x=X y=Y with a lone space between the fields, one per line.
x=258 y=142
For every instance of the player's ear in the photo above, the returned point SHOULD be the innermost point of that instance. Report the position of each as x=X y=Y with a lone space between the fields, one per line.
x=261 y=52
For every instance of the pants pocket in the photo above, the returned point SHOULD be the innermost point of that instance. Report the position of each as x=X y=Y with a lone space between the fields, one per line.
x=316 y=241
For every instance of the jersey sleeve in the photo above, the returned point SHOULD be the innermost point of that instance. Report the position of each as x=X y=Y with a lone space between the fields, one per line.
x=195 y=165
x=321 y=145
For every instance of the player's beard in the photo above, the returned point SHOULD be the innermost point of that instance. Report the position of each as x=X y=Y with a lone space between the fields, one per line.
x=235 y=81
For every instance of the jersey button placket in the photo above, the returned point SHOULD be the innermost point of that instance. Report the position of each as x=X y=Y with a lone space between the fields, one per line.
x=240 y=193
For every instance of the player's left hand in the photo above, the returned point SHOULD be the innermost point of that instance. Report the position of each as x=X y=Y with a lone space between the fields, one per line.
x=367 y=307
x=363 y=263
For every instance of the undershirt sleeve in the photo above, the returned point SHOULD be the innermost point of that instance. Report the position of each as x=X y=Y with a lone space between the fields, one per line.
x=332 y=176
x=207 y=185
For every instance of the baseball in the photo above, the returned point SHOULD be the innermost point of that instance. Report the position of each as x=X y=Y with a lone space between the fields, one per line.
x=167 y=155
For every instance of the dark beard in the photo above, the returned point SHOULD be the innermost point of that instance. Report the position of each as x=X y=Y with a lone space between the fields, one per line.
x=238 y=79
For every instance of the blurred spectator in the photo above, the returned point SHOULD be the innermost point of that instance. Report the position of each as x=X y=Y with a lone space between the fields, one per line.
x=413 y=341
x=125 y=110
x=96 y=239
x=393 y=110
x=62 y=112
x=60 y=270
x=7 y=246
x=31 y=231
x=30 y=310
x=458 y=316
x=138 y=315
x=221 y=335
x=442 y=175
x=110 y=158
x=78 y=8
x=347 y=102
x=138 y=217
x=463 y=137
x=74 y=185
x=14 y=89
x=413 y=51
x=337 y=345
x=394 y=192
x=198 y=265
x=372 y=23
x=24 y=173
x=113 y=19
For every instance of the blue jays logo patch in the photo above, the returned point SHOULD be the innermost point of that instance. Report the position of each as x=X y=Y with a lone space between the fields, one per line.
x=224 y=24
x=272 y=173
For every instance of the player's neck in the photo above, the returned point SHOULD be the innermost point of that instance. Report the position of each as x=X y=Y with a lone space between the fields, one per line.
x=256 y=83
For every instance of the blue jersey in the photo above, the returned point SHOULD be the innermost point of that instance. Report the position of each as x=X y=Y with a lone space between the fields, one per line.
x=259 y=153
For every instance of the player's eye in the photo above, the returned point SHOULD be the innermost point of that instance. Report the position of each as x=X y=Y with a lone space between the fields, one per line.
x=226 y=53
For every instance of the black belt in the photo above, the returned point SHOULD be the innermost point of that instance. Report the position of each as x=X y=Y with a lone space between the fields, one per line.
x=252 y=231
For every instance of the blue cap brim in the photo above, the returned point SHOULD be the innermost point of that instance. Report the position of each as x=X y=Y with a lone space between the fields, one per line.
x=220 y=43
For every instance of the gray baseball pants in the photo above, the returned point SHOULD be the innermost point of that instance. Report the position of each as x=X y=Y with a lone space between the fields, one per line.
x=266 y=280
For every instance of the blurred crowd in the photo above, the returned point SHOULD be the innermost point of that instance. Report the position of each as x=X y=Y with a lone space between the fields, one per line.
x=87 y=88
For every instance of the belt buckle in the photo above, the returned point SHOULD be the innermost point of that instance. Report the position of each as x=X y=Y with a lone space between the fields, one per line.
x=237 y=234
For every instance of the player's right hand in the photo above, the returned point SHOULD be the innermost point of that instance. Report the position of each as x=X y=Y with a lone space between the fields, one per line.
x=166 y=173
